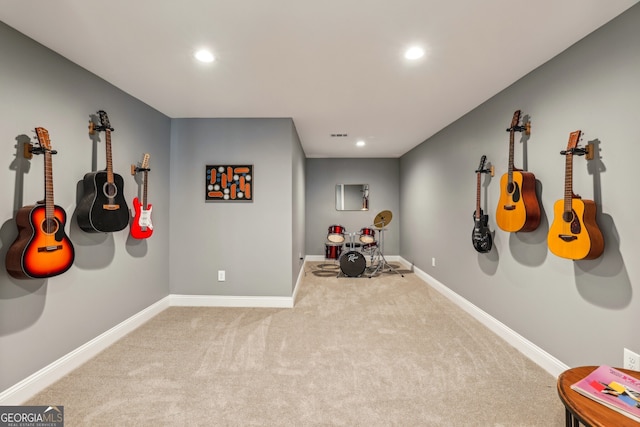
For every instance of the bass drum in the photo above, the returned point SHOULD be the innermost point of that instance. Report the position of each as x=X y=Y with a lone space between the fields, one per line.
x=353 y=264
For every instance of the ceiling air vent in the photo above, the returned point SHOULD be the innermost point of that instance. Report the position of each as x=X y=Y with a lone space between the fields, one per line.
x=339 y=135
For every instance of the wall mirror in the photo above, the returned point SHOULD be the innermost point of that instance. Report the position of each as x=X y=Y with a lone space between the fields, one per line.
x=352 y=197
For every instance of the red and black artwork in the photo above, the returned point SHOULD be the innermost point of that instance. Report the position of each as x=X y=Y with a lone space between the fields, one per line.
x=229 y=183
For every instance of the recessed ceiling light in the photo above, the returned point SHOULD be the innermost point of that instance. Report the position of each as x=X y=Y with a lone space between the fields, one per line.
x=204 y=55
x=415 y=52
x=360 y=143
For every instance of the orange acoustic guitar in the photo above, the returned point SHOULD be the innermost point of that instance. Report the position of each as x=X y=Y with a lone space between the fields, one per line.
x=574 y=233
x=518 y=207
x=42 y=249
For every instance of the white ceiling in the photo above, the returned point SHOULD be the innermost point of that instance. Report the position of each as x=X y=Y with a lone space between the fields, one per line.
x=334 y=66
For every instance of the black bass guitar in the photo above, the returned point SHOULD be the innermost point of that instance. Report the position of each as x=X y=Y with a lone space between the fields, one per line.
x=481 y=236
x=103 y=207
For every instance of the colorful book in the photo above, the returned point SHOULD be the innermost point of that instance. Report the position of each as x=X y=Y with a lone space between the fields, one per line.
x=612 y=388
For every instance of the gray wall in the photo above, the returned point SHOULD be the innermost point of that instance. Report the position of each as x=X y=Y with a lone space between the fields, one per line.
x=383 y=177
x=582 y=312
x=113 y=276
x=252 y=242
x=298 y=170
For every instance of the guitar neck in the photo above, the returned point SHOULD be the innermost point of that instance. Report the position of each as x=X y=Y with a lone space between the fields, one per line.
x=568 y=182
x=144 y=190
x=478 y=196
x=109 y=161
x=511 y=144
x=48 y=184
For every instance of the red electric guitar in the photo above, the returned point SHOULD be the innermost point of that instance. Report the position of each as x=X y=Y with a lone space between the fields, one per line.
x=42 y=249
x=141 y=226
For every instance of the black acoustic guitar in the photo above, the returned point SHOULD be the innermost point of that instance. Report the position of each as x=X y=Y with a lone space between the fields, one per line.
x=481 y=236
x=103 y=208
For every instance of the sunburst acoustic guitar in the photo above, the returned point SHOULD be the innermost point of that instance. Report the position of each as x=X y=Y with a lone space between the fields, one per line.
x=103 y=207
x=574 y=233
x=518 y=207
x=42 y=248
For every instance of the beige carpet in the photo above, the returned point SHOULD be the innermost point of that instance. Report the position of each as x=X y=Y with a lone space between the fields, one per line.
x=385 y=351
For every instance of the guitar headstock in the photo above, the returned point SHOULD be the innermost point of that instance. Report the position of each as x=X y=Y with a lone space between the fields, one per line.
x=483 y=159
x=574 y=140
x=104 y=121
x=515 y=119
x=145 y=161
x=144 y=165
x=43 y=138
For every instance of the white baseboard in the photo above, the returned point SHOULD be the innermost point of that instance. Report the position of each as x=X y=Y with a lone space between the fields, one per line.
x=543 y=359
x=25 y=389
x=229 y=301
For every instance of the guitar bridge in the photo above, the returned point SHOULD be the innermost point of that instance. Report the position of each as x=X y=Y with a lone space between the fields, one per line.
x=110 y=207
x=567 y=237
x=49 y=248
x=509 y=207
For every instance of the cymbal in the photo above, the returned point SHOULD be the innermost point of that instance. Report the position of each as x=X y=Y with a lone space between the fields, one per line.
x=382 y=219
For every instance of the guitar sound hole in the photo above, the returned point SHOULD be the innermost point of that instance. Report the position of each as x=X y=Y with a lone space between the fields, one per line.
x=49 y=226
x=514 y=190
x=110 y=190
x=567 y=216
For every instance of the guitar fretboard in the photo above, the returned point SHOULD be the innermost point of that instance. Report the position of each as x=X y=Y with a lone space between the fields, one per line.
x=109 y=161
x=574 y=137
x=48 y=184
x=512 y=130
x=144 y=190
x=478 y=195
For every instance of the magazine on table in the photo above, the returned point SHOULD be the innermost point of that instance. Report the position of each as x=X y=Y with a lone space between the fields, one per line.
x=614 y=389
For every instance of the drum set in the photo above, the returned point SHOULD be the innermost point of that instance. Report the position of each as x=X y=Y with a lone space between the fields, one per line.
x=353 y=262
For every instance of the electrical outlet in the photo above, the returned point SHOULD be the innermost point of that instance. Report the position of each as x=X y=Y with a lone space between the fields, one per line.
x=433 y=262
x=631 y=360
x=221 y=276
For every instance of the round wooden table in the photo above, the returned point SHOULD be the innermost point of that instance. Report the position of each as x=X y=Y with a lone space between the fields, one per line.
x=581 y=409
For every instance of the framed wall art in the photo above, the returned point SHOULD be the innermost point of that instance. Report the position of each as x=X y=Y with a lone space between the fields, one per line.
x=229 y=183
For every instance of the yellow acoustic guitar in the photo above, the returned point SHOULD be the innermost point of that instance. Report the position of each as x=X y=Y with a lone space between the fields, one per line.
x=574 y=233
x=518 y=208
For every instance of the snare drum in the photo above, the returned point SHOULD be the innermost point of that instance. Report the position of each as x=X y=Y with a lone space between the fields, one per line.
x=332 y=251
x=367 y=235
x=369 y=248
x=336 y=234
x=353 y=264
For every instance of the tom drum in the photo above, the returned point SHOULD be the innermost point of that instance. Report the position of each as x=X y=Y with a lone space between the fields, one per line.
x=336 y=234
x=367 y=235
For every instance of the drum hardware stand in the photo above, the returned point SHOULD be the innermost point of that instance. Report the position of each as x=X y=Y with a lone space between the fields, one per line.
x=381 y=264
